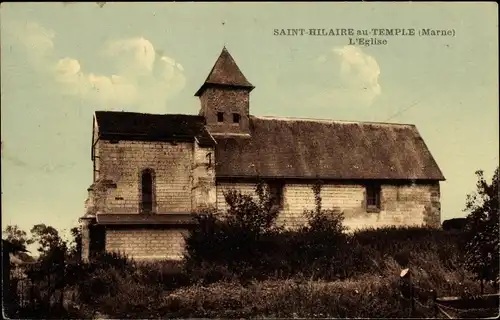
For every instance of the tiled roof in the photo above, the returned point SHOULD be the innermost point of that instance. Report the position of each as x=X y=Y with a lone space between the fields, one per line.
x=152 y=127
x=301 y=148
x=225 y=72
x=146 y=219
x=291 y=148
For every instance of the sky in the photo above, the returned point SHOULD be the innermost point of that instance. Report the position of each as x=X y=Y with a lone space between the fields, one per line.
x=60 y=62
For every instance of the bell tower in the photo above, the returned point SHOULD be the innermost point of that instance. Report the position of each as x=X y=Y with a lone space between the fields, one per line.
x=225 y=98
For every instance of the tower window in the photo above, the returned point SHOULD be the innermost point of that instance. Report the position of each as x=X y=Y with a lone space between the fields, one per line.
x=220 y=116
x=236 y=118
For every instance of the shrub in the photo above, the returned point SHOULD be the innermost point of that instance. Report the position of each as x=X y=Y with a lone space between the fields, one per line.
x=323 y=222
x=101 y=276
x=369 y=261
x=322 y=240
x=206 y=242
x=168 y=274
x=115 y=260
x=254 y=217
x=232 y=240
x=130 y=297
x=225 y=246
x=373 y=296
x=482 y=243
x=117 y=286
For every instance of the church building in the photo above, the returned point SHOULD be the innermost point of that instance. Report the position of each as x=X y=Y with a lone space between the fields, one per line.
x=153 y=171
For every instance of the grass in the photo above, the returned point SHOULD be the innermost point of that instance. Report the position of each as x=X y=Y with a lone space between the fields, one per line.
x=366 y=296
x=119 y=288
x=373 y=290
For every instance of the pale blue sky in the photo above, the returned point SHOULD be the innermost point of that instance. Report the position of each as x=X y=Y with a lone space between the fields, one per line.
x=62 y=62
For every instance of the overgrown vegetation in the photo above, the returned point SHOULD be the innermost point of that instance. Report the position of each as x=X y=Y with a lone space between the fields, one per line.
x=239 y=263
x=482 y=230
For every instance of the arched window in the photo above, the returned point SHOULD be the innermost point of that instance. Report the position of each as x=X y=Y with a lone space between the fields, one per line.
x=147 y=191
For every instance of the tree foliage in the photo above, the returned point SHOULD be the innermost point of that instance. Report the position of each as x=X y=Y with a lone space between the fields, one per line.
x=75 y=246
x=328 y=221
x=48 y=239
x=16 y=236
x=255 y=216
x=322 y=240
x=482 y=229
x=51 y=246
x=245 y=241
x=232 y=235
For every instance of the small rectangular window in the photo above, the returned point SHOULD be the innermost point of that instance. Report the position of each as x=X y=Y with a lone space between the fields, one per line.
x=373 y=197
x=276 y=193
x=236 y=118
x=220 y=116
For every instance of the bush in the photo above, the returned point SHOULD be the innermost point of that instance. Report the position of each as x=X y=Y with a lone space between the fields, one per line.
x=323 y=222
x=373 y=296
x=224 y=246
x=168 y=274
x=321 y=242
x=115 y=285
x=482 y=243
x=100 y=277
x=252 y=217
x=130 y=297
x=232 y=240
x=367 y=261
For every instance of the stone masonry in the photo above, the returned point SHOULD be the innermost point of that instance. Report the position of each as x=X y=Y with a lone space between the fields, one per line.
x=123 y=163
x=147 y=244
x=400 y=204
x=174 y=158
x=183 y=182
x=214 y=100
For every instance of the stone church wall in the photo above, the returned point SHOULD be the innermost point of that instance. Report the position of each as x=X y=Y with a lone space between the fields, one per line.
x=401 y=205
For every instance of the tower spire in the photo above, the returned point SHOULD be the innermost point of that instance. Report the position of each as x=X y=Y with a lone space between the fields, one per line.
x=227 y=73
x=225 y=98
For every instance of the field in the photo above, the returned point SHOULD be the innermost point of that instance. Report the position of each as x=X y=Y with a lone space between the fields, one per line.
x=366 y=285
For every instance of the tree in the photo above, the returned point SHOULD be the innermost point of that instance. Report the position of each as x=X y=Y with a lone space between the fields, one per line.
x=50 y=243
x=16 y=236
x=235 y=237
x=256 y=216
x=322 y=240
x=75 y=249
x=482 y=230
x=328 y=221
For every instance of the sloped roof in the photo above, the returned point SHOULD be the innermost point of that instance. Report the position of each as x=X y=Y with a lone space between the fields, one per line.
x=152 y=127
x=295 y=148
x=291 y=148
x=225 y=72
x=152 y=219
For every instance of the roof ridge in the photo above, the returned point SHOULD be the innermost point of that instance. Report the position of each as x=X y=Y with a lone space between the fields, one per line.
x=328 y=120
x=225 y=72
x=149 y=114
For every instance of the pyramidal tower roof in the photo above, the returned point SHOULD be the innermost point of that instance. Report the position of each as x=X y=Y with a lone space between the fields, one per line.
x=225 y=72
